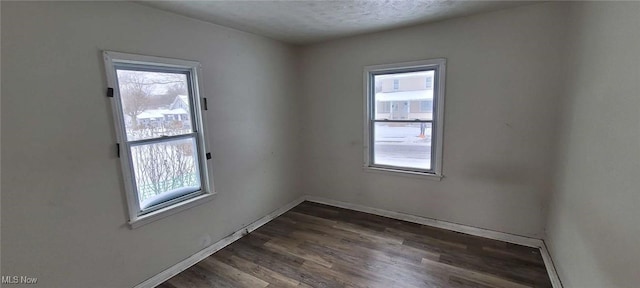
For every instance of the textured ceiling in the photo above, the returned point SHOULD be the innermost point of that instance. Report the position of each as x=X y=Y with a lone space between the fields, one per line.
x=303 y=22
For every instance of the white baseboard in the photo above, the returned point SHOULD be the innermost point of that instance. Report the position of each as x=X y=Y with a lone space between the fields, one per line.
x=208 y=251
x=496 y=235
x=551 y=268
x=486 y=233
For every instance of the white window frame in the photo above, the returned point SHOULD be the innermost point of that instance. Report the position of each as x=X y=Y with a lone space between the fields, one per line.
x=439 y=67
x=138 y=216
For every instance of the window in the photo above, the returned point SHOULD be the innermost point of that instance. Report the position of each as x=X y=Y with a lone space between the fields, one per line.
x=426 y=106
x=384 y=107
x=396 y=84
x=164 y=161
x=429 y=83
x=405 y=140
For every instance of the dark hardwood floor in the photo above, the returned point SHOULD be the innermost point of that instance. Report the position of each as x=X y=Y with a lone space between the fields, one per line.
x=315 y=245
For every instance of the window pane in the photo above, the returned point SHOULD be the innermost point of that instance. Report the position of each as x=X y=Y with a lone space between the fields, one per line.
x=154 y=104
x=165 y=170
x=403 y=94
x=403 y=145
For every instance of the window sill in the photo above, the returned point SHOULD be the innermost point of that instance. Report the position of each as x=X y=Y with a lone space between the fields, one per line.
x=412 y=174
x=170 y=210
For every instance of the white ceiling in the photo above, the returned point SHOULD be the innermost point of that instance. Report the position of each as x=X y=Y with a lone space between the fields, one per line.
x=303 y=22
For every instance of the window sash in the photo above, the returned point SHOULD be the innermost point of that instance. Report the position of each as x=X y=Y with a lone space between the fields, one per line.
x=175 y=200
x=161 y=69
x=372 y=139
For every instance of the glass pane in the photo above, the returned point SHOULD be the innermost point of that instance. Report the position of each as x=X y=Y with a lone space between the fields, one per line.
x=165 y=170
x=154 y=104
x=402 y=145
x=404 y=96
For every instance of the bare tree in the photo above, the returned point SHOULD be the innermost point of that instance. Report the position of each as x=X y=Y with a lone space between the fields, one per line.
x=135 y=93
x=175 y=89
x=163 y=167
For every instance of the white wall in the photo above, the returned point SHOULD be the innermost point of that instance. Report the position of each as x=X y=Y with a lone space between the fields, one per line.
x=503 y=80
x=594 y=225
x=63 y=207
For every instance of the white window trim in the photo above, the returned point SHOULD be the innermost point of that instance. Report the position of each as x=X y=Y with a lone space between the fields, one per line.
x=438 y=122
x=136 y=219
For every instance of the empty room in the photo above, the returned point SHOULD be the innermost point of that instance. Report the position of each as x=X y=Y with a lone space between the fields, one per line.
x=409 y=143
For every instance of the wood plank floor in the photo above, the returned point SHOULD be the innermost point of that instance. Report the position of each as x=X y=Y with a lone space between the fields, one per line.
x=315 y=245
